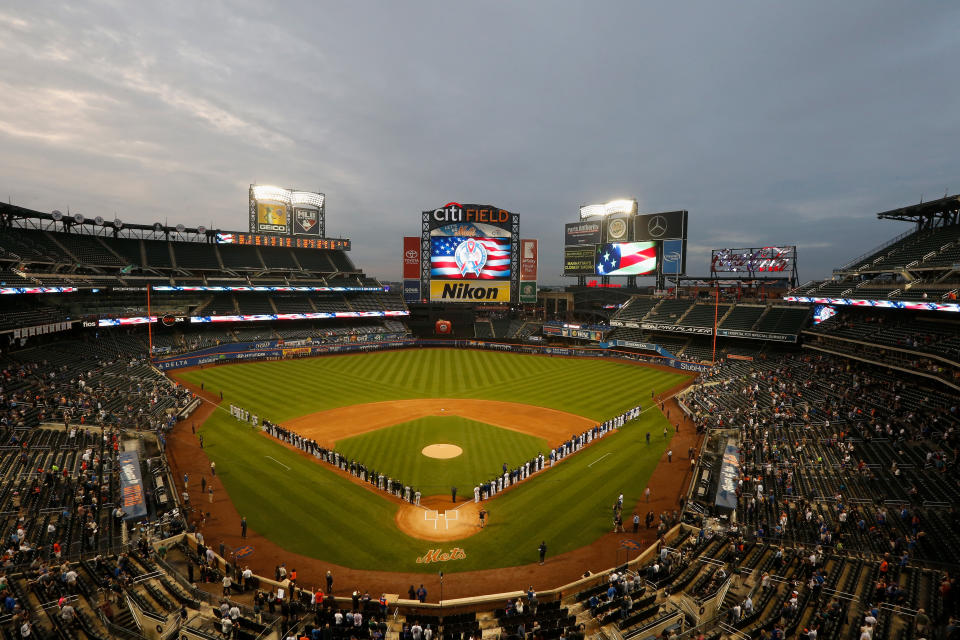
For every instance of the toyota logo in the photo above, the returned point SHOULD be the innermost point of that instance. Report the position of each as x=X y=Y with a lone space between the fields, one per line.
x=412 y=254
x=657 y=226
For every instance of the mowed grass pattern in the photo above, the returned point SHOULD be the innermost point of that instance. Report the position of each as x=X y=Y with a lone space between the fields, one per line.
x=310 y=510
x=284 y=389
x=396 y=452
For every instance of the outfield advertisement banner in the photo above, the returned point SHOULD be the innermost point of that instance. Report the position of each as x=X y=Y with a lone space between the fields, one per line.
x=757 y=335
x=676 y=328
x=573 y=332
x=472 y=291
x=642 y=346
x=276 y=349
x=224 y=354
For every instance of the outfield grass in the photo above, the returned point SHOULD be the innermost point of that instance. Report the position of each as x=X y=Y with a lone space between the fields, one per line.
x=284 y=389
x=310 y=510
x=396 y=452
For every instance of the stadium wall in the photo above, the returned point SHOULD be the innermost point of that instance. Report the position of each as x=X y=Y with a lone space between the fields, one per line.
x=272 y=350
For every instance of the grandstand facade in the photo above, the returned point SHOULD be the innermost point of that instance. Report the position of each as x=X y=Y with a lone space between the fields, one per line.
x=822 y=495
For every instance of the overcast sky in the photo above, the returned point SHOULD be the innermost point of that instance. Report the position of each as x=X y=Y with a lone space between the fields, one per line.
x=772 y=123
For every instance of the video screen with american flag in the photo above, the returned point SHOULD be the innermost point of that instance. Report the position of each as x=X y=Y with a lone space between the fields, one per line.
x=626 y=258
x=464 y=258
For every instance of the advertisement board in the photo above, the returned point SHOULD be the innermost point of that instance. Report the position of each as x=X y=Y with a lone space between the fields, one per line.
x=626 y=259
x=528 y=292
x=271 y=217
x=757 y=335
x=618 y=228
x=578 y=261
x=307 y=221
x=131 y=486
x=582 y=233
x=470 y=242
x=528 y=260
x=411 y=257
x=673 y=257
x=473 y=291
x=469 y=219
x=670 y=225
x=754 y=260
x=293 y=242
x=411 y=290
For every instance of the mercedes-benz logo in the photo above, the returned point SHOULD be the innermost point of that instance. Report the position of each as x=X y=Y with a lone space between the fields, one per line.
x=657 y=226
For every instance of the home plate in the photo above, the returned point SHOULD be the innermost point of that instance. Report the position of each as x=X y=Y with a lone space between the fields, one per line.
x=436 y=517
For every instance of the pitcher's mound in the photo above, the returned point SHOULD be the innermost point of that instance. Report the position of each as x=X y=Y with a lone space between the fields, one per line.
x=442 y=451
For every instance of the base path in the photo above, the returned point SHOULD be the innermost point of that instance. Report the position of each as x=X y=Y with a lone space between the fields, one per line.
x=326 y=427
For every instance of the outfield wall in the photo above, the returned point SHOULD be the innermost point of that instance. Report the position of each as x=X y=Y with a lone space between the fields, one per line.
x=274 y=350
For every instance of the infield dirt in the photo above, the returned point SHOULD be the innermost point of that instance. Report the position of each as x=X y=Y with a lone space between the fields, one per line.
x=326 y=427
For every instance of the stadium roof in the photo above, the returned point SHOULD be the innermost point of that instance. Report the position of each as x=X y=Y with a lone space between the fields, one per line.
x=925 y=214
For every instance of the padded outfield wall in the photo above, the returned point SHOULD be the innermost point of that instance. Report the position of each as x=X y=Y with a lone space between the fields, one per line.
x=275 y=350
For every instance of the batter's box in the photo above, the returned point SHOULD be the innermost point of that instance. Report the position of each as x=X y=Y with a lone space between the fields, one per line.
x=436 y=517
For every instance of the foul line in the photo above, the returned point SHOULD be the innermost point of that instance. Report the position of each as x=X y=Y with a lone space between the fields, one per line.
x=278 y=462
x=598 y=459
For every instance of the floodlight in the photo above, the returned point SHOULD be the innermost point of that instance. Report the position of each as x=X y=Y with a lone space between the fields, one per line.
x=276 y=194
x=307 y=198
x=614 y=206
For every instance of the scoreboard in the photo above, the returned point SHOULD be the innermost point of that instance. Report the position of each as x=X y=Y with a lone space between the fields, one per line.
x=614 y=239
x=754 y=260
x=287 y=212
x=293 y=242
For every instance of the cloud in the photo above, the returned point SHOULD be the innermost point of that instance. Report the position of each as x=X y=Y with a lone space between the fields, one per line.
x=771 y=125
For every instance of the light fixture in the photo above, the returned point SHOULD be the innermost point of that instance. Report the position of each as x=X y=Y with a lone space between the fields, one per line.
x=614 y=206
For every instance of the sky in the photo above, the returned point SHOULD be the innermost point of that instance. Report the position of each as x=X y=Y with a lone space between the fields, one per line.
x=771 y=123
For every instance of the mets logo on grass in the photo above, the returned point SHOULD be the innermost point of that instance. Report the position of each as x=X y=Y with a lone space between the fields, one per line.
x=439 y=555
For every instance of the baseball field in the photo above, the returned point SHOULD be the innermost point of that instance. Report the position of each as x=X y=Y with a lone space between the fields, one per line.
x=388 y=408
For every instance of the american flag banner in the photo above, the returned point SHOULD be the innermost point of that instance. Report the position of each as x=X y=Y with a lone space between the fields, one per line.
x=626 y=258
x=484 y=258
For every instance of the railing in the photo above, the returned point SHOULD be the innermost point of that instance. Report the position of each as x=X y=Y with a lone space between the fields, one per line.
x=117 y=631
x=877 y=249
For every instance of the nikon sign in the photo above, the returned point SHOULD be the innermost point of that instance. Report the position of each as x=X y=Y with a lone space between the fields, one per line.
x=470 y=291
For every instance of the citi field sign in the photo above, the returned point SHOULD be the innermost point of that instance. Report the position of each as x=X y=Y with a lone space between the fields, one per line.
x=456 y=213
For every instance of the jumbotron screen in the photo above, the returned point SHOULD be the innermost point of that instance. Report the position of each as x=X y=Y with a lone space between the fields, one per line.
x=626 y=259
x=464 y=258
x=754 y=260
